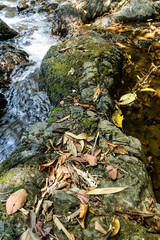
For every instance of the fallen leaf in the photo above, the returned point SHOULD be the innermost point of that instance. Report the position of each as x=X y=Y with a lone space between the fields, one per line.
x=147 y=90
x=63 y=119
x=15 y=201
x=25 y=236
x=92 y=160
x=82 y=196
x=46 y=165
x=99 y=228
x=115 y=225
x=96 y=151
x=46 y=204
x=82 y=136
x=97 y=93
x=83 y=212
x=110 y=190
x=71 y=147
x=39 y=226
x=117 y=118
x=64 y=49
x=29 y=235
x=87 y=177
x=112 y=172
x=60 y=226
x=71 y=71
x=127 y=98
x=120 y=45
x=120 y=150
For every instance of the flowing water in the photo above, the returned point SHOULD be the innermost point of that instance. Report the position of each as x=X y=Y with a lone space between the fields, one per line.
x=26 y=103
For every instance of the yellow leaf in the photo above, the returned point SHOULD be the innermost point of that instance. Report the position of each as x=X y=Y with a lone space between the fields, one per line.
x=100 y=191
x=147 y=90
x=115 y=225
x=88 y=25
x=129 y=56
x=117 y=118
x=127 y=98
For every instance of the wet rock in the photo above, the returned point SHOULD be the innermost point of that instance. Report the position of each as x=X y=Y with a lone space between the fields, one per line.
x=6 y=32
x=3 y=103
x=93 y=64
x=48 y=6
x=135 y=11
x=23 y=4
x=70 y=14
x=11 y=59
x=2 y=6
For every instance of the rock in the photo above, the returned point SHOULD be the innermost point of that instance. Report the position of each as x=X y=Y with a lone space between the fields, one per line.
x=6 y=32
x=23 y=4
x=92 y=64
x=3 y=103
x=70 y=14
x=10 y=58
x=135 y=11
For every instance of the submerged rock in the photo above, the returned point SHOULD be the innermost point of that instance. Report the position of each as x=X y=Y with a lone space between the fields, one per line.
x=10 y=59
x=6 y=32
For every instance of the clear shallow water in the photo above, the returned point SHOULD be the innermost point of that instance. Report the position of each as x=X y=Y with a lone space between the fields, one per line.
x=26 y=104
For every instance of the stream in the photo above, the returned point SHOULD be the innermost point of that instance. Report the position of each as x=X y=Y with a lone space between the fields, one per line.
x=26 y=103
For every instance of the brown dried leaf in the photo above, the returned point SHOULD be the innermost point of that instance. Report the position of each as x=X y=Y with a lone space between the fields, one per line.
x=39 y=226
x=97 y=93
x=46 y=165
x=52 y=176
x=96 y=151
x=84 y=198
x=120 y=150
x=99 y=228
x=15 y=201
x=46 y=205
x=112 y=172
x=25 y=236
x=110 y=190
x=83 y=212
x=92 y=160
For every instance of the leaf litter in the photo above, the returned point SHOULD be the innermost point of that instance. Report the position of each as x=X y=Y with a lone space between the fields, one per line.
x=68 y=170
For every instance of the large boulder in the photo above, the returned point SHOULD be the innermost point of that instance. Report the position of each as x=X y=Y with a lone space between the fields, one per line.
x=134 y=11
x=6 y=32
x=79 y=66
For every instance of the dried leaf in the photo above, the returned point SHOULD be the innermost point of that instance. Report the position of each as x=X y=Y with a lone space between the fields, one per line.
x=39 y=226
x=29 y=235
x=82 y=145
x=115 y=225
x=82 y=136
x=46 y=165
x=127 y=98
x=46 y=205
x=82 y=196
x=92 y=160
x=61 y=227
x=71 y=148
x=15 y=201
x=87 y=177
x=71 y=71
x=112 y=172
x=120 y=150
x=83 y=211
x=117 y=118
x=100 y=191
x=63 y=119
x=147 y=90
x=99 y=228
x=25 y=236
x=97 y=93
x=120 y=45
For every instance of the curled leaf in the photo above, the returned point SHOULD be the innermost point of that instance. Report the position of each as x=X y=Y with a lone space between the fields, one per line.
x=115 y=225
x=97 y=93
x=127 y=98
x=15 y=201
x=83 y=211
x=147 y=90
x=117 y=118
